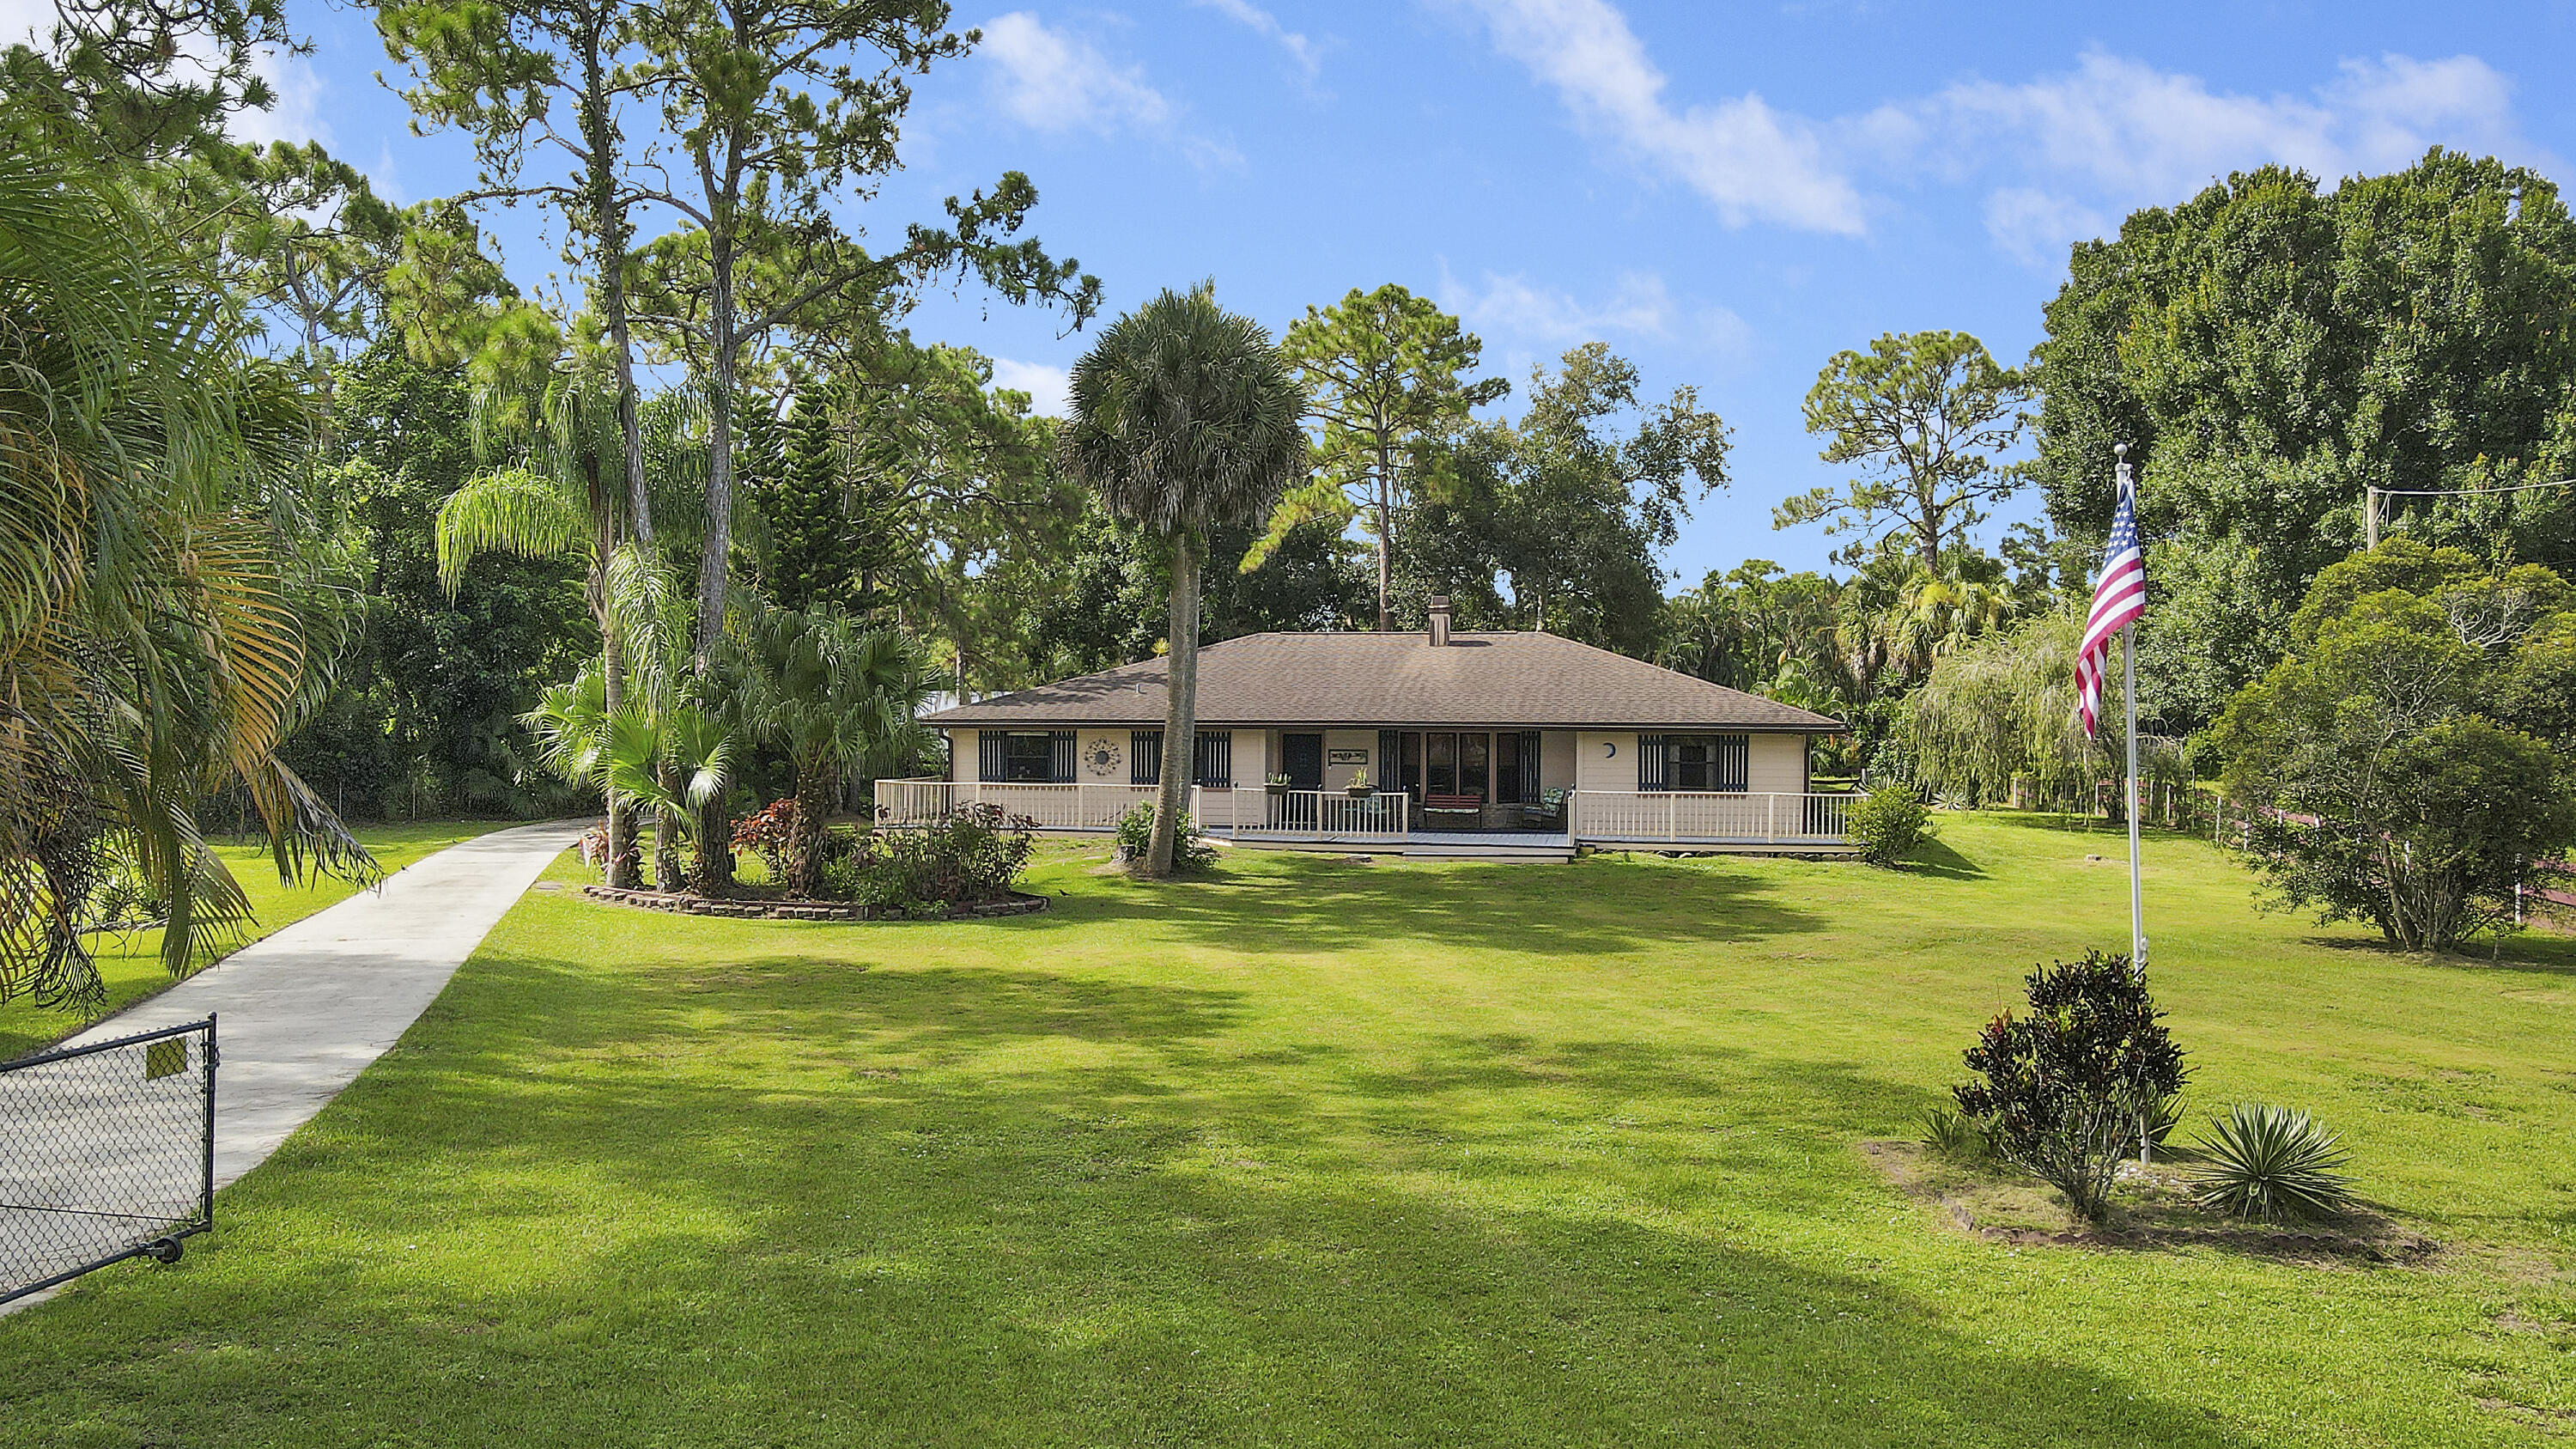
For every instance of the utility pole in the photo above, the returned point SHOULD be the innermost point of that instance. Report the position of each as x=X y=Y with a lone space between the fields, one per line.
x=2370 y=517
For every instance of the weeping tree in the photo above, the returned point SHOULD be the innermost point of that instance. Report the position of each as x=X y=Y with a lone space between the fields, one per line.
x=826 y=691
x=2001 y=708
x=1185 y=419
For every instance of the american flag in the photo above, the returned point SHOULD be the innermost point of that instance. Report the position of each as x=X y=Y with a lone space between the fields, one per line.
x=2119 y=597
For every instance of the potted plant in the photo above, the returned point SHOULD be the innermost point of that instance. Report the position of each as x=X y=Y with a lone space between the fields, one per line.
x=1360 y=788
x=1277 y=785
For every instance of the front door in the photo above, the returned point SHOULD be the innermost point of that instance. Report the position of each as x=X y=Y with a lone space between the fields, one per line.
x=1301 y=758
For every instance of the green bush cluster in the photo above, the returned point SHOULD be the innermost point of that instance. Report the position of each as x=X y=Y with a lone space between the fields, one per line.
x=2067 y=1089
x=1887 y=824
x=973 y=856
x=1190 y=848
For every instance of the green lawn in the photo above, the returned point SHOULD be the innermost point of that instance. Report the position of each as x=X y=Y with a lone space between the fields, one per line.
x=1331 y=1153
x=131 y=965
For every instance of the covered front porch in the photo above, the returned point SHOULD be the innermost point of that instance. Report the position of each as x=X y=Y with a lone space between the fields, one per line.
x=1388 y=822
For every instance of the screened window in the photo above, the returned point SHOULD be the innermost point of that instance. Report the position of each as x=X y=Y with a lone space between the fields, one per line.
x=1696 y=762
x=1029 y=757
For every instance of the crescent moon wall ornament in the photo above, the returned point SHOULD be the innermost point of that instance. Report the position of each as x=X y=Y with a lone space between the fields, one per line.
x=1609 y=749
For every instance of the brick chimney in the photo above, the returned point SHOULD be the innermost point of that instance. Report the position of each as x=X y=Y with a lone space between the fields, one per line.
x=1439 y=620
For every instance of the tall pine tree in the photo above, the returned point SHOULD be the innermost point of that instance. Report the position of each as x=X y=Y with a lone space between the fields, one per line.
x=811 y=547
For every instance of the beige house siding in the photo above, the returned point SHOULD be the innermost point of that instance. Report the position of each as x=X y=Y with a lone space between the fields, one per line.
x=1556 y=756
x=1605 y=760
x=1777 y=765
x=1338 y=777
x=1578 y=759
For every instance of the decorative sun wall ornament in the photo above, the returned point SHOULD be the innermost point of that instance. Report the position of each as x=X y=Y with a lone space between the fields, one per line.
x=1103 y=757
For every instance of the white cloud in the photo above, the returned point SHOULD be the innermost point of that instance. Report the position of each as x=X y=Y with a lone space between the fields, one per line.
x=2137 y=134
x=1513 y=309
x=1059 y=82
x=1516 y=307
x=25 y=19
x=1754 y=163
x=2073 y=148
x=1261 y=22
x=2037 y=227
x=296 y=115
x=1044 y=384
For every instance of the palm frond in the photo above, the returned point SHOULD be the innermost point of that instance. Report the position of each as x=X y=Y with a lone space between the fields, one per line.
x=510 y=510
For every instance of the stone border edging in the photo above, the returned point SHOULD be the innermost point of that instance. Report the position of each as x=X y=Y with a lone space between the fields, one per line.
x=791 y=910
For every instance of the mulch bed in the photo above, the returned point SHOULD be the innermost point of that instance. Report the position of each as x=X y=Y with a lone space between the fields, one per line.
x=2150 y=1210
x=788 y=909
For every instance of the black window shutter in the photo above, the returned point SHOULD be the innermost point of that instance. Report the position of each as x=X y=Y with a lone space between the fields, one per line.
x=992 y=756
x=1730 y=763
x=1388 y=772
x=1529 y=766
x=1060 y=748
x=1653 y=754
x=1215 y=749
x=1144 y=757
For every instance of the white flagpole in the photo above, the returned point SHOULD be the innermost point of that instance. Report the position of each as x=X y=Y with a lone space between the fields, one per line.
x=2129 y=699
x=2137 y=896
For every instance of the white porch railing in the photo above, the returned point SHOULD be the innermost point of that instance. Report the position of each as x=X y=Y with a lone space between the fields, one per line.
x=1253 y=813
x=1073 y=806
x=1318 y=815
x=1708 y=817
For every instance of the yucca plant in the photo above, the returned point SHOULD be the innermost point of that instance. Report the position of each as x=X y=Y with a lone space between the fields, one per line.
x=2272 y=1164
x=1952 y=1133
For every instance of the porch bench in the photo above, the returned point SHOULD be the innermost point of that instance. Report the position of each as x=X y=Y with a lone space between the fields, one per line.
x=1452 y=812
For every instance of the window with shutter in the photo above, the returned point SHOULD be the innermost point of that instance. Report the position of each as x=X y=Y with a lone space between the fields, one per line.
x=1215 y=751
x=1653 y=762
x=1145 y=757
x=992 y=756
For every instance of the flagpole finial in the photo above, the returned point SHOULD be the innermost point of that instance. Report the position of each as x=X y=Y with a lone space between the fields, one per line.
x=2120 y=451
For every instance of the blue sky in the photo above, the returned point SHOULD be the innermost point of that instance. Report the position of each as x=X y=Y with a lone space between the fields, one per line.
x=1725 y=193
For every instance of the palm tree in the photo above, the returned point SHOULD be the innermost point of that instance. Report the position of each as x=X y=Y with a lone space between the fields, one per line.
x=827 y=691
x=1185 y=418
x=673 y=760
x=564 y=497
x=152 y=651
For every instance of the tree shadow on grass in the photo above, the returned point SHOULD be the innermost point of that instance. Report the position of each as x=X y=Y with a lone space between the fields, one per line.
x=1309 y=904
x=2529 y=953
x=1935 y=858
x=718 y=1238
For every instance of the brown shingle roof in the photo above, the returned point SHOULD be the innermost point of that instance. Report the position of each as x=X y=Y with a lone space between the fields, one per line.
x=1525 y=680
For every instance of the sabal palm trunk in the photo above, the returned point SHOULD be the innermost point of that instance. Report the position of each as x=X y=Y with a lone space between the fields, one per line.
x=816 y=780
x=621 y=868
x=1180 y=717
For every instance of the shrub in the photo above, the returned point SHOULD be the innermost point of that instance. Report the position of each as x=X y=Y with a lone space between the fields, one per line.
x=2272 y=1164
x=1887 y=823
x=1190 y=850
x=973 y=855
x=2159 y=1119
x=765 y=833
x=2068 y=1087
x=1954 y=1134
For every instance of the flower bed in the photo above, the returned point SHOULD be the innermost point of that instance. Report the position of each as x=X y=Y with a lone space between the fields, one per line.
x=796 y=910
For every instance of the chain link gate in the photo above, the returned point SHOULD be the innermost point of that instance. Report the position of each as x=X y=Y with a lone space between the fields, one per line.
x=107 y=1152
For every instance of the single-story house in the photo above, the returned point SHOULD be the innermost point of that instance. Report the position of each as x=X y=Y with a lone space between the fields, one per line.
x=1462 y=743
